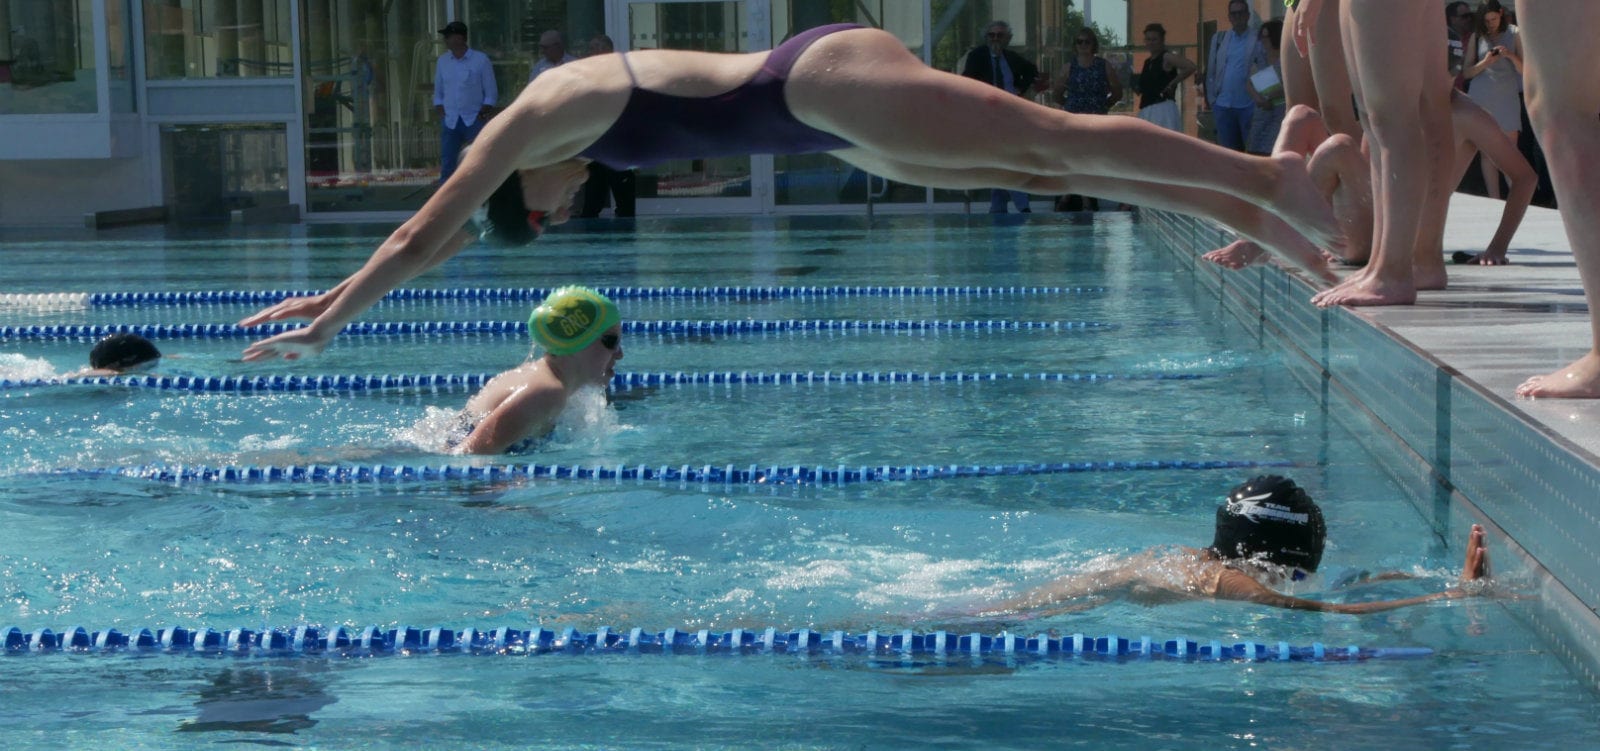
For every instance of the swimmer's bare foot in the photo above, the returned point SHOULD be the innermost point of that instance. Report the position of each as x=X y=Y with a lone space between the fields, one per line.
x=1368 y=288
x=1429 y=277
x=1298 y=201
x=1580 y=380
x=1236 y=255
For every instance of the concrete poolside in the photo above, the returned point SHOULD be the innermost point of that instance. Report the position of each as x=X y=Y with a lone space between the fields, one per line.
x=1498 y=325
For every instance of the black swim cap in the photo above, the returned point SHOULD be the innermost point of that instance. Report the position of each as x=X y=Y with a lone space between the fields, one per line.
x=122 y=351
x=1272 y=519
x=508 y=215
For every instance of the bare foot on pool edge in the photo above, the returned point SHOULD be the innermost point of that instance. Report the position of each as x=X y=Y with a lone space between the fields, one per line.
x=1580 y=380
x=1301 y=204
x=1429 y=277
x=1236 y=255
x=1368 y=288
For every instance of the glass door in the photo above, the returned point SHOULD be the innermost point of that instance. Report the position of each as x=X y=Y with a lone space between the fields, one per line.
x=722 y=185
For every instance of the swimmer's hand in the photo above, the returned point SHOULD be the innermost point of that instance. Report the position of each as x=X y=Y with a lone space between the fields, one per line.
x=290 y=345
x=293 y=307
x=1475 y=577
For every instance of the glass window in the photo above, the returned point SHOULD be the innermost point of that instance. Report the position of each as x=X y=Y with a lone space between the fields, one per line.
x=217 y=39
x=47 y=57
x=209 y=170
x=119 y=38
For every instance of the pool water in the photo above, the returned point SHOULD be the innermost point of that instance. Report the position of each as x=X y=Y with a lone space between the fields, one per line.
x=106 y=551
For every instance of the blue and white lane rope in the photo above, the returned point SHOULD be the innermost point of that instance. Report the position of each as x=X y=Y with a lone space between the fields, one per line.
x=706 y=474
x=520 y=328
x=311 y=641
x=469 y=381
x=264 y=297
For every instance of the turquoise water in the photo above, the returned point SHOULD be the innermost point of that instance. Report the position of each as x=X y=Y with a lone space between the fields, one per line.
x=122 y=552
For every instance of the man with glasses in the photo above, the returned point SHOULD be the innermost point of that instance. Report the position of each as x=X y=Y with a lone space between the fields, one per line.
x=994 y=64
x=552 y=53
x=1234 y=53
x=579 y=335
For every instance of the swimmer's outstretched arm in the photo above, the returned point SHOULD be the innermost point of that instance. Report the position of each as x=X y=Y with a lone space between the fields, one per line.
x=312 y=306
x=1234 y=585
x=425 y=240
x=1074 y=590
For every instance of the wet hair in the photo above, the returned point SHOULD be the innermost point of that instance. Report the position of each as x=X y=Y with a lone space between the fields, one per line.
x=1157 y=28
x=507 y=215
x=1481 y=26
x=122 y=351
x=1274 y=31
x=1271 y=519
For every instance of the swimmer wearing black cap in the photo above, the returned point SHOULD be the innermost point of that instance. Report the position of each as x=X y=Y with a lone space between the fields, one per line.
x=119 y=354
x=579 y=335
x=1268 y=532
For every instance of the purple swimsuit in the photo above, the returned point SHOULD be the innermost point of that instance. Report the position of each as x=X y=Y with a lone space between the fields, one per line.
x=753 y=118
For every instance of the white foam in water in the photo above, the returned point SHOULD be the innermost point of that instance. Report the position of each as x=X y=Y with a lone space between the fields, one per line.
x=17 y=367
x=587 y=421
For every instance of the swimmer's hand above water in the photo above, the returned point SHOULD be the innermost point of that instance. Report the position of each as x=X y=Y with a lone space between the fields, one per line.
x=290 y=345
x=295 y=307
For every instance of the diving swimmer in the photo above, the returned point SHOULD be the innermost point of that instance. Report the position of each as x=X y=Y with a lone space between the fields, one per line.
x=853 y=92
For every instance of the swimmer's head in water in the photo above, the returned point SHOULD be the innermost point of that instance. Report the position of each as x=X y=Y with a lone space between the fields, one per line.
x=1271 y=519
x=571 y=318
x=123 y=352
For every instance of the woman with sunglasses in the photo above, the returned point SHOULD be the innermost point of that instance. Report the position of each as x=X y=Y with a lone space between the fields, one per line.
x=579 y=336
x=1085 y=86
x=853 y=92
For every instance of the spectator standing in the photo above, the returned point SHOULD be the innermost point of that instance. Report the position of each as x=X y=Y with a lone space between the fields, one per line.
x=1563 y=97
x=1234 y=53
x=552 y=53
x=1494 y=66
x=995 y=64
x=602 y=179
x=464 y=95
x=1266 y=88
x=1458 y=17
x=1085 y=86
x=1163 y=73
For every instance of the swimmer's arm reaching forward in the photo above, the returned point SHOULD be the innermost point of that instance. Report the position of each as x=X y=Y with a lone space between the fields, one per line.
x=1075 y=591
x=1235 y=585
x=428 y=238
x=315 y=305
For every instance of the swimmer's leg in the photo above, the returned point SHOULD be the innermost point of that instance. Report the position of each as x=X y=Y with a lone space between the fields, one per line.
x=913 y=114
x=1343 y=174
x=1272 y=233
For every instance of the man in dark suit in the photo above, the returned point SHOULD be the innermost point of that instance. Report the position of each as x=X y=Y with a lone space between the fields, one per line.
x=993 y=64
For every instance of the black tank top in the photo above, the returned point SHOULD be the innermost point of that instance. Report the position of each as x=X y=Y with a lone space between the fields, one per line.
x=1153 y=81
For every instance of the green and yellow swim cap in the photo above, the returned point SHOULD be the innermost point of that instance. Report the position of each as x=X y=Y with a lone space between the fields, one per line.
x=571 y=318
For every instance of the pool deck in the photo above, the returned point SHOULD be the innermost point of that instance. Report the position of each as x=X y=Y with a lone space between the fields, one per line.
x=1497 y=325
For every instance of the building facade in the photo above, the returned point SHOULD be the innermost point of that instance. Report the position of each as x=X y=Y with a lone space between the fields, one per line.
x=323 y=108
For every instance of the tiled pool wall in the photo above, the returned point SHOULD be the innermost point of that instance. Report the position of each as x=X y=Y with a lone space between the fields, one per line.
x=1456 y=448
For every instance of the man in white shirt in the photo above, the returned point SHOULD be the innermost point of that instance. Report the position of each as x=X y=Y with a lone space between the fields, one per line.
x=464 y=95
x=552 y=52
